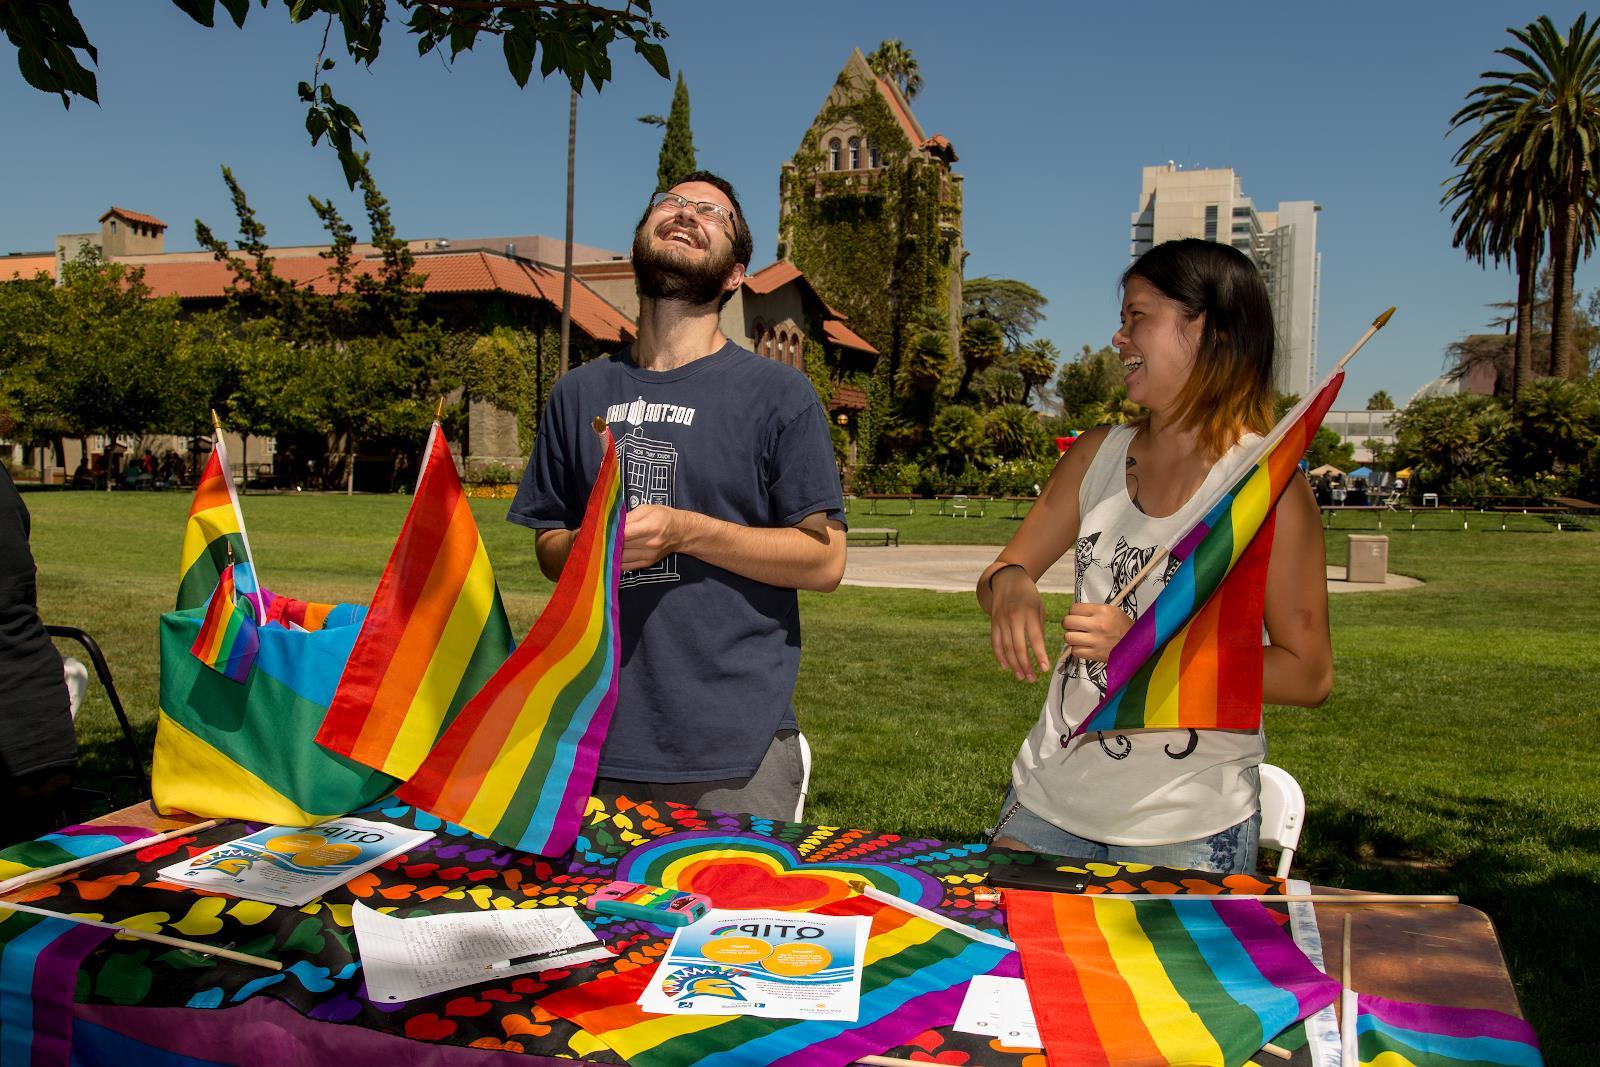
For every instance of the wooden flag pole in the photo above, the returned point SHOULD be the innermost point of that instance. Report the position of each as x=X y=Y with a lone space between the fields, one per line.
x=983 y=936
x=1377 y=324
x=145 y=935
x=1347 y=1005
x=1295 y=898
x=44 y=874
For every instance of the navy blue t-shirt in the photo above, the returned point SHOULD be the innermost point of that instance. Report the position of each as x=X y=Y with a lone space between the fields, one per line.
x=709 y=658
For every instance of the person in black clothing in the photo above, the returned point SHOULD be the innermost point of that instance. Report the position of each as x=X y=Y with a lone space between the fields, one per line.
x=38 y=752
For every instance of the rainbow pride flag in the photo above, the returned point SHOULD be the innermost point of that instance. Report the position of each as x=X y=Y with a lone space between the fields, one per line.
x=39 y=960
x=214 y=534
x=518 y=762
x=63 y=846
x=1193 y=659
x=1393 y=1033
x=915 y=975
x=227 y=641
x=435 y=633
x=1189 y=980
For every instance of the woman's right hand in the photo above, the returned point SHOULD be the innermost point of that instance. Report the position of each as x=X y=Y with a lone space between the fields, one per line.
x=1016 y=625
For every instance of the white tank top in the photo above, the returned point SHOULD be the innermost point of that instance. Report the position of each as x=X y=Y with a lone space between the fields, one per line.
x=1143 y=787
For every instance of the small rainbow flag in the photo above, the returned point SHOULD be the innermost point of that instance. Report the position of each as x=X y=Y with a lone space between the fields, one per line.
x=437 y=630
x=1193 y=659
x=227 y=642
x=915 y=976
x=215 y=528
x=1393 y=1033
x=518 y=762
x=1187 y=980
x=63 y=846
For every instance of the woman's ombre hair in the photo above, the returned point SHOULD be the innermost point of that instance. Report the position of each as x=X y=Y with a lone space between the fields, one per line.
x=1229 y=391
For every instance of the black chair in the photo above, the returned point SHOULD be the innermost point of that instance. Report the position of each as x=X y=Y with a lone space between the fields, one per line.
x=102 y=671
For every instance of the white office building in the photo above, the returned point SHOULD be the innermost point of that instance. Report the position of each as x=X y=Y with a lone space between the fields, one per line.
x=1210 y=204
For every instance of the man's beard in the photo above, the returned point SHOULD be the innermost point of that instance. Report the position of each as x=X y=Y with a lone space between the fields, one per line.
x=661 y=275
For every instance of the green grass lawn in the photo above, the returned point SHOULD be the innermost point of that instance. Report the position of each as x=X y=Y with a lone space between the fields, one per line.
x=1453 y=756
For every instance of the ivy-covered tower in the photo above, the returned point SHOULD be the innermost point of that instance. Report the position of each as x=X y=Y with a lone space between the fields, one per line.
x=870 y=211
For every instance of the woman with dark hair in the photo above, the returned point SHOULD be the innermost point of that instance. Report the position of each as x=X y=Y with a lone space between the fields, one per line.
x=1196 y=343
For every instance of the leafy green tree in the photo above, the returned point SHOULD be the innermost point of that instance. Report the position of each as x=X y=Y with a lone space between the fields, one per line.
x=111 y=351
x=1329 y=447
x=27 y=316
x=1443 y=438
x=894 y=61
x=1016 y=307
x=926 y=362
x=1036 y=365
x=956 y=438
x=572 y=37
x=677 y=142
x=1014 y=432
x=1538 y=124
x=1554 y=425
x=982 y=342
x=1089 y=386
x=1380 y=401
x=1000 y=384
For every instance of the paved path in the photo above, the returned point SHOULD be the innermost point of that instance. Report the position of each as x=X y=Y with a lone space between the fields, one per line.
x=955 y=569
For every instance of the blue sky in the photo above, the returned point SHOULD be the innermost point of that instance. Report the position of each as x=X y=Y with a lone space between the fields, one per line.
x=1052 y=107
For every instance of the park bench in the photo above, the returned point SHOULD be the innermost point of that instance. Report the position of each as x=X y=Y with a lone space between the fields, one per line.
x=1016 y=503
x=882 y=535
x=874 y=499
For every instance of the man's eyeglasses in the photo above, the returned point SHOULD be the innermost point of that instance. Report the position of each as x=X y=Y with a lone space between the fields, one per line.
x=707 y=212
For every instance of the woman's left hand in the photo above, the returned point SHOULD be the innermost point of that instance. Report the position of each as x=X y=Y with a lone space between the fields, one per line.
x=1093 y=630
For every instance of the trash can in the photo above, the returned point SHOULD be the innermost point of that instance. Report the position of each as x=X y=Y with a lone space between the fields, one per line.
x=1367 y=559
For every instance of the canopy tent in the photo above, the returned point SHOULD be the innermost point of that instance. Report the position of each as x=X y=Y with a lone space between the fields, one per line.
x=1327 y=468
x=1361 y=472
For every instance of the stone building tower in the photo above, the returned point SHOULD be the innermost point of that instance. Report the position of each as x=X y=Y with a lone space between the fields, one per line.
x=870 y=211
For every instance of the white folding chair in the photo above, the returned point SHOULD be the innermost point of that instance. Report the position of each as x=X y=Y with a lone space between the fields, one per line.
x=1283 y=814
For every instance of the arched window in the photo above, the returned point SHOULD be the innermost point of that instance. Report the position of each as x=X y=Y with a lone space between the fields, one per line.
x=855 y=153
x=872 y=154
x=833 y=154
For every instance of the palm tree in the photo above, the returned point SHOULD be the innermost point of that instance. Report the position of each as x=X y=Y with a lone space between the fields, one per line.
x=894 y=61
x=1541 y=122
x=1500 y=216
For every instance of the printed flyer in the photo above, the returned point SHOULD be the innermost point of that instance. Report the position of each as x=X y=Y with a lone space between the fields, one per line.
x=293 y=865
x=775 y=964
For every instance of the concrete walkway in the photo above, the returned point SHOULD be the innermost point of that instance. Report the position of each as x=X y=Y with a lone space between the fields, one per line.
x=955 y=569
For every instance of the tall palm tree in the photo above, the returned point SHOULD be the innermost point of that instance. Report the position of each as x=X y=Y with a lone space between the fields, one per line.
x=1542 y=119
x=1500 y=217
x=893 y=60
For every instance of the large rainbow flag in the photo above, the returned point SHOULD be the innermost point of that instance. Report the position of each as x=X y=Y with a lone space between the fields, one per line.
x=227 y=641
x=1182 y=981
x=436 y=631
x=915 y=976
x=1393 y=1033
x=39 y=960
x=1193 y=659
x=214 y=535
x=518 y=762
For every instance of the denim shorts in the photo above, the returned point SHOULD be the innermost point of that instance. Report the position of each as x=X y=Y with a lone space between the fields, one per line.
x=1231 y=851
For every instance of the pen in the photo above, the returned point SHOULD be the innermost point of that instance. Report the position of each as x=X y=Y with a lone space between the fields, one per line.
x=549 y=954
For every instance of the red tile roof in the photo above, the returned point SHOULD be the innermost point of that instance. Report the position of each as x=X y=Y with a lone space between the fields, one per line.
x=840 y=334
x=15 y=268
x=902 y=113
x=848 y=398
x=456 y=272
x=133 y=216
x=940 y=145
x=772 y=277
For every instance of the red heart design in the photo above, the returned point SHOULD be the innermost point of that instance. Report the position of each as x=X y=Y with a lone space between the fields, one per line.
x=471 y=1007
x=504 y=996
x=429 y=1027
x=734 y=882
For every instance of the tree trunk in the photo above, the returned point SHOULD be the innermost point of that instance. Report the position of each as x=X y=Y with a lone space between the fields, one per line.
x=1562 y=235
x=566 y=276
x=111 y=453
x=1527 y=276
x=244 y=458
x=350 y=464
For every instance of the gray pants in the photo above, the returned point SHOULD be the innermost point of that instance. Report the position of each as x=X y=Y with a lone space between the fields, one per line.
x=777 y=790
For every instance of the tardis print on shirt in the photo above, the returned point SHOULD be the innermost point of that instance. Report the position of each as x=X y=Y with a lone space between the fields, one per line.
x=649 y=476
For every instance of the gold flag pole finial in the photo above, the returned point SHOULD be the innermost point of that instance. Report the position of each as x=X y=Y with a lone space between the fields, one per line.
x=1377 y=324
x=599 y=424
x=438 y=412
x=215 y=421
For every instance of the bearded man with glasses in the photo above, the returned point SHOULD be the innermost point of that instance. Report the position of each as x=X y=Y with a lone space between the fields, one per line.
x=733 y=505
